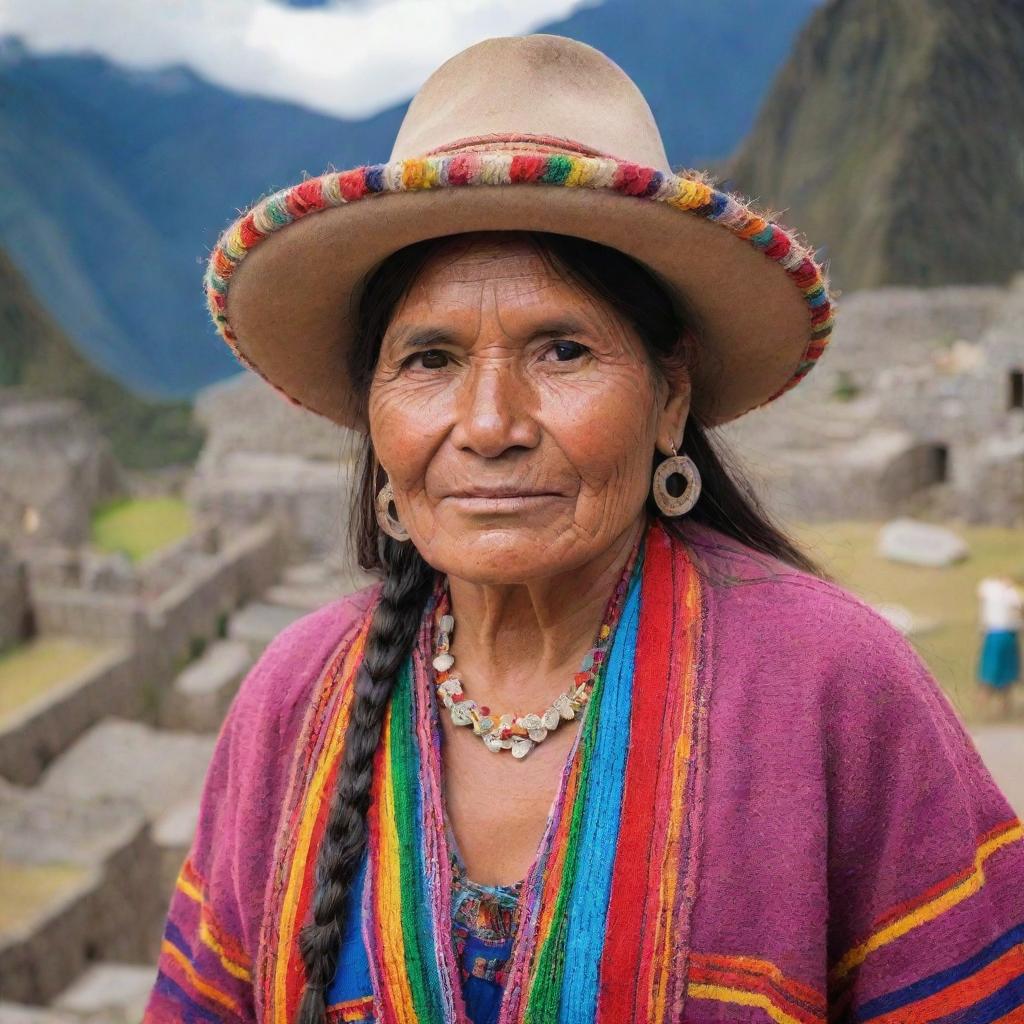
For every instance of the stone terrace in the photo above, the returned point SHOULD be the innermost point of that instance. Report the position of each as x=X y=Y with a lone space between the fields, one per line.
x=103 y=768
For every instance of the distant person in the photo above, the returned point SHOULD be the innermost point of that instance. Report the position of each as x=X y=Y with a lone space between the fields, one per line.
x=999 y=663
x=601 y=745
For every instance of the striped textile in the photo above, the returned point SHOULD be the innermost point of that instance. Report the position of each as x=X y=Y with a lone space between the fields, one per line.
x=633 y=751
x=202 y=967
x=481 y=169
x=770 y=813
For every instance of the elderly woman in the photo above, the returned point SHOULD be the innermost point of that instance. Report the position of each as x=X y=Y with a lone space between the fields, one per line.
x=603 y=745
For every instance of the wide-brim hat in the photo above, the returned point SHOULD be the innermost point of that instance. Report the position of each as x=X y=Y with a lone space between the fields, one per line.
x=536 y=132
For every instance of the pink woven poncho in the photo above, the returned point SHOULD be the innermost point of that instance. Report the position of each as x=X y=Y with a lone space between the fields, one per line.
x=774 y=815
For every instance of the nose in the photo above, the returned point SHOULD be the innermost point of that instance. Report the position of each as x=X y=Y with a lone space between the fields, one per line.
x=496 y=409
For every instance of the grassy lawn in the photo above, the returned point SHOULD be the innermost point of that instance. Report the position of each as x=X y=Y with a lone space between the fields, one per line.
x=38 y=666
x=140 y=526
x=847 y=550
x=28 y=890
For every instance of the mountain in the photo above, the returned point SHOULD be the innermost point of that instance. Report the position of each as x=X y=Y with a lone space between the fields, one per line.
x=38 y=360
x=115 y=183
x=893 y=136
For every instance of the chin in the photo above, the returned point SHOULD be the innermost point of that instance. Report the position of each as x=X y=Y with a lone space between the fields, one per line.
x=504 y=556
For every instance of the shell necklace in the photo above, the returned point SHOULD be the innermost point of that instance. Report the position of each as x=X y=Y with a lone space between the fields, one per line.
x=520 y=734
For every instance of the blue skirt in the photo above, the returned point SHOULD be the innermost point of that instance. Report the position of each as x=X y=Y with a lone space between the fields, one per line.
x=999 y=665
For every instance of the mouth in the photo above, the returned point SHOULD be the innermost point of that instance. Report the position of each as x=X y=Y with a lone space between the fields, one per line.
x=500 y=499
x=502 y=492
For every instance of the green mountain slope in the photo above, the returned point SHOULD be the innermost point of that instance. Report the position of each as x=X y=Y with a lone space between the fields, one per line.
x=893 y=137
x=38 y=360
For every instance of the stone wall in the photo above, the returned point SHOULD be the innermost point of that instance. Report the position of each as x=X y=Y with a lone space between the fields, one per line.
x=245 y=414
x=37 y=733
x=54 y=468
x=933 y=367
x=247 y=564
x=197 y=586
x=13 y=597
x=83 y=613
x=152 y=639
x=308 y=499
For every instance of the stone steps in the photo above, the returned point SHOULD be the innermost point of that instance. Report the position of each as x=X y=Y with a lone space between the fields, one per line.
x=35 y=732
x=76 y=883
x=200 y=696
x=105 y=993
x=311 y=585
x=258 y=622
x=111 y=992
x=92 y=852
x=154 y=769
x=305 y=598
x=95 y=842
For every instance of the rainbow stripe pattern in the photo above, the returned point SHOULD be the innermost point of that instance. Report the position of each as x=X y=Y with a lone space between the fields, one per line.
x=635 y=750
x=985 y=987
x=202 y=967
x=471 y=168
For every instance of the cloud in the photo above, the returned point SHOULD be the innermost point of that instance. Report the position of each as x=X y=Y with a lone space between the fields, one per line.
x=350 y=59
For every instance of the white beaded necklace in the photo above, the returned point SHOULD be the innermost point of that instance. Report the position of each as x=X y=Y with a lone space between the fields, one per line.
x=520 y=734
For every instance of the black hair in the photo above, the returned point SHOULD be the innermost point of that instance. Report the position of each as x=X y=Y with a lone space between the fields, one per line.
x=671 y=335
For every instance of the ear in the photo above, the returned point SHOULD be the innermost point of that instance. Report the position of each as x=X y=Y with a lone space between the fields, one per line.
x=672 y=418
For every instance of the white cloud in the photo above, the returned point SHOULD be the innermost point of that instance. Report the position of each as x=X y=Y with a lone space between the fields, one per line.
x=350 y=58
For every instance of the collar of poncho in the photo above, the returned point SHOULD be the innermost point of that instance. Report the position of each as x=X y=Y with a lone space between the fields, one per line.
x=603 y=929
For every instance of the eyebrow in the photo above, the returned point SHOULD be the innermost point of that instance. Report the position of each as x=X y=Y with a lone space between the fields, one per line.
x=425 y=337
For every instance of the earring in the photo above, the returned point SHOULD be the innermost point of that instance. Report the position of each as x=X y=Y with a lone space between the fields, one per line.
x=385 y=520
x=676 y=465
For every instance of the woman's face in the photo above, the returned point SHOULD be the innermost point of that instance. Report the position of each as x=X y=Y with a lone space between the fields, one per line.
x=515 y=415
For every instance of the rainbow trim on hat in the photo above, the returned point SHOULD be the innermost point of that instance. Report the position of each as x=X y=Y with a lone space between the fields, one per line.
x=489 y=167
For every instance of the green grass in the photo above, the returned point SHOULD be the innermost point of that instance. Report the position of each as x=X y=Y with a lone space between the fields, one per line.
x=38 y=666
x=140 y=526
x=847 y=550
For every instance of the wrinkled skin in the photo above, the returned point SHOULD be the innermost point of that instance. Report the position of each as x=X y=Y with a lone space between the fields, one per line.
x=516 y=416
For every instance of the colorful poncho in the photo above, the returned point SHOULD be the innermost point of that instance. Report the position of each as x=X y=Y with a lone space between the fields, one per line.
x=770 y=813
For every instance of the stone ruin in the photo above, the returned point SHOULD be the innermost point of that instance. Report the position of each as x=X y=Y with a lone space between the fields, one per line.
x=55 y=467
x=101 y=768
x=266 y=457
x=917 y=407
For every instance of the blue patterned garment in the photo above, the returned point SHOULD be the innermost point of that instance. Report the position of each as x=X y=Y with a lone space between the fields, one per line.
x=484 y=921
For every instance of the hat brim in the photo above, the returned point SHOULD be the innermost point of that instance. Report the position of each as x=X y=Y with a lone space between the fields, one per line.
x=284 y=280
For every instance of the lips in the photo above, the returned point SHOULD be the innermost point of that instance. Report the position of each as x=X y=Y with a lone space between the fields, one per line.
x=502 y=492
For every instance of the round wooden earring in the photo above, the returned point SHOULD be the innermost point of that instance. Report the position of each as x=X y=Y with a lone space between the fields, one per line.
x=385 y=520
x=668 y=503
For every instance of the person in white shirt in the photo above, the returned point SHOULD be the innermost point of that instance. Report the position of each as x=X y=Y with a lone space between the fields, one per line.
x=999 y=662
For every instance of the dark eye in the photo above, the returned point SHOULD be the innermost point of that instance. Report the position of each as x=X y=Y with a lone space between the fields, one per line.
x=565 y=351
x=431 y=359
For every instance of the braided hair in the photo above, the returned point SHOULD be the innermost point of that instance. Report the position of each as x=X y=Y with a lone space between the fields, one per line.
x=407 y=584
x=727 y=503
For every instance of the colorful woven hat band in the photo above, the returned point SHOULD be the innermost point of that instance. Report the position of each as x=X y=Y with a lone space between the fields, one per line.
x=553 y=162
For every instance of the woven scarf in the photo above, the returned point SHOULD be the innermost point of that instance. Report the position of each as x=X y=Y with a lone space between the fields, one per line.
x=603 y=929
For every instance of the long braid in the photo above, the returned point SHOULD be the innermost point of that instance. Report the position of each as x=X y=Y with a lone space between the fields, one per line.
x=407 y=585
x=661 y=321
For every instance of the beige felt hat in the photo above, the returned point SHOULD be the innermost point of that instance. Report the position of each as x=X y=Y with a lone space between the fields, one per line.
x=535 y=132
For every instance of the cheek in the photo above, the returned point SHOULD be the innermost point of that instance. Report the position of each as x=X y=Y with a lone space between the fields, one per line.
x=401 y=437
x=606 y=431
